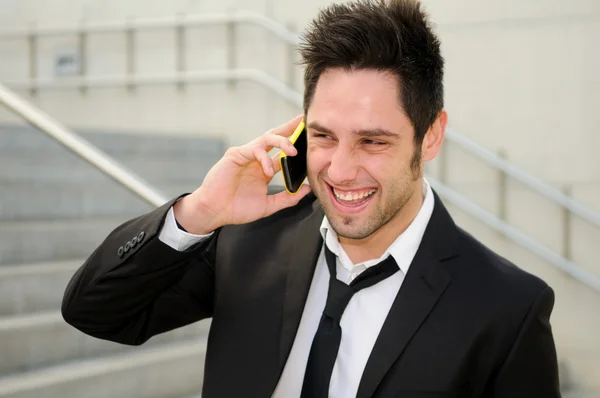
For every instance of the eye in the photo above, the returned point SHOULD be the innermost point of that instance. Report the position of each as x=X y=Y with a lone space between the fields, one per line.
x=373 y=142
x=321 y=135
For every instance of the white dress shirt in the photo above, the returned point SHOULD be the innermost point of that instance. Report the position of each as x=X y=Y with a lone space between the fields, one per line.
x=364 y=316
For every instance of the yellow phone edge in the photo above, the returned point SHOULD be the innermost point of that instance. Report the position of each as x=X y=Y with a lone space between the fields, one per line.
x=293 y=139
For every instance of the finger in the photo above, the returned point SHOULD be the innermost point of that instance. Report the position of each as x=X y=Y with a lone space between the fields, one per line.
x=269 y=142
x=287 y=128
x=276 y=162
x=284 y=199
x=265 y=160
x=244 y=155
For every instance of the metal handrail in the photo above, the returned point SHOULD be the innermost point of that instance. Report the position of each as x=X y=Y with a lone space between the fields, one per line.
x=515 y=172
x=516 y=235
x=80 y=146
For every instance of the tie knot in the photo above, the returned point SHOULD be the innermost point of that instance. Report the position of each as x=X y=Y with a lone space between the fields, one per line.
x=339 y=293
x=370 y=276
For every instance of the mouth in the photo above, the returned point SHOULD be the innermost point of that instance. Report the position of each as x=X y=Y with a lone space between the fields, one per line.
x=351 y=201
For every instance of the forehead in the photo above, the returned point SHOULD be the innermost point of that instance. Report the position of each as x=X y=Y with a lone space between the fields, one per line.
x=353 y=98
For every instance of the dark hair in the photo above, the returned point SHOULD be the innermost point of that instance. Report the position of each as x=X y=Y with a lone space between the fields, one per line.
x=392 y=35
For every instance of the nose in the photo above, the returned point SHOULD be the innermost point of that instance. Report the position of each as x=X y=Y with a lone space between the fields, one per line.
x=343 y=168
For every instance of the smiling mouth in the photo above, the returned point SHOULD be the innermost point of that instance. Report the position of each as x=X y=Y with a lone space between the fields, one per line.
x=352 y=198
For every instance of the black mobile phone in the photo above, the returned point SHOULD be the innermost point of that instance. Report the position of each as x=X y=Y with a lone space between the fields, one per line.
x=294 y=167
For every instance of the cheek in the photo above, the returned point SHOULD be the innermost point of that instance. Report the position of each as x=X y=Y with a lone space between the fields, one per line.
x=386 y=171
x=316 y=159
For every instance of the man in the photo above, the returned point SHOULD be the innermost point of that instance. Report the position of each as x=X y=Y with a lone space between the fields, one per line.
x=360 y=285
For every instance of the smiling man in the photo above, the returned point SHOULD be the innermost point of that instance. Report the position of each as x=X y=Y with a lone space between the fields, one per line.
x=359 y=286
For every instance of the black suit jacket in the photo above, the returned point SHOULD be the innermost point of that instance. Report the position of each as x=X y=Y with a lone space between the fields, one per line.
x=466 y=322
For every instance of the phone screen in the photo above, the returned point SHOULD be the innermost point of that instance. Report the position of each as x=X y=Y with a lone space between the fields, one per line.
x=294 y=167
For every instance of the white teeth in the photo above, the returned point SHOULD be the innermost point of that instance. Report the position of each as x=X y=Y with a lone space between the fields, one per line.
x=355 y=196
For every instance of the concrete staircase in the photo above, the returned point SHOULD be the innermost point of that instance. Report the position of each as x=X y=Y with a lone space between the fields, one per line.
x=42 y=356
x=54 y=210
x=51 y=197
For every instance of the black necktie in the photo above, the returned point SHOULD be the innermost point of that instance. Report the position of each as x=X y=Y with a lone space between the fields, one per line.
x=326 y=342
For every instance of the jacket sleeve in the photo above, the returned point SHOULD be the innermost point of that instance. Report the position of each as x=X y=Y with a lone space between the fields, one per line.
x=134 y=286
x=531 y=367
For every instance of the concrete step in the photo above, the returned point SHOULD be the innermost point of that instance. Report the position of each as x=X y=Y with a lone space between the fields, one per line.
x=29 y=288
x=45 y=201
x=32 y=341
x=167 y=371
x=39 y=241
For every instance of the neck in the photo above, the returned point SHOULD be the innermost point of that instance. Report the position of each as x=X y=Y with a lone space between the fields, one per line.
x=373 y=246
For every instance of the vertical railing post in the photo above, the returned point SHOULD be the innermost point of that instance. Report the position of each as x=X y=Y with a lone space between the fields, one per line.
x=32 y=40
x=502 y=190
x=130 y=53
x=82 y=51
x=180 y=51
x=567 y=220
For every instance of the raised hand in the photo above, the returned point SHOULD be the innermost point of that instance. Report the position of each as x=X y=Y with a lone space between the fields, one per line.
x=235 y=189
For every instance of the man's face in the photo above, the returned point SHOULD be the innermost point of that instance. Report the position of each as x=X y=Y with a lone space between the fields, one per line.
x=361 y=151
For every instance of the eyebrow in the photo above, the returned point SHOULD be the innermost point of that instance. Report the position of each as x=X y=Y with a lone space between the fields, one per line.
x=376 y=132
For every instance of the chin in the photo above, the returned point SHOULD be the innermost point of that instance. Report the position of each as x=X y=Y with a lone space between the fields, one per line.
x=355 y=232
x=351 y=226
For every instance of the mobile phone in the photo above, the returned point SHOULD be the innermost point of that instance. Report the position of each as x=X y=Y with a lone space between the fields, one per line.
x=294 y=167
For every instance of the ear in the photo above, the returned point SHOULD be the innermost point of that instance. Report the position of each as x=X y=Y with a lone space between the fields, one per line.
x=432 y=142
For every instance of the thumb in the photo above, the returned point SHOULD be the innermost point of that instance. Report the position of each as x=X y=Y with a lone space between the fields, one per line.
x=284 y=199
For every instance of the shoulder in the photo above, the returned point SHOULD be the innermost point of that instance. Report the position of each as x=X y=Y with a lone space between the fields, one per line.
x=493 y=276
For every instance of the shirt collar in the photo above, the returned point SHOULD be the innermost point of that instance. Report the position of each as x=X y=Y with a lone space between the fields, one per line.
x=405 y=245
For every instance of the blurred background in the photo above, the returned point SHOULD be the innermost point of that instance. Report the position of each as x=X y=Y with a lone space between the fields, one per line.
x=153 y=92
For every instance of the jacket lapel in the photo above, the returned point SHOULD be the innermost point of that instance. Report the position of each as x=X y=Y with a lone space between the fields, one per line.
x=304 y=254
x=423 y=286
